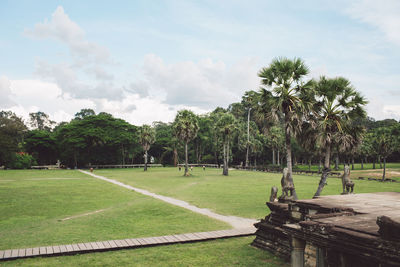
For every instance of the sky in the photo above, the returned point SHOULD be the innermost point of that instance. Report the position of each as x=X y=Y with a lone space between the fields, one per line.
x=142 y=61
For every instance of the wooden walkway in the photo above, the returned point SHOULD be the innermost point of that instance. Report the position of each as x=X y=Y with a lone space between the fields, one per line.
x=12 y=254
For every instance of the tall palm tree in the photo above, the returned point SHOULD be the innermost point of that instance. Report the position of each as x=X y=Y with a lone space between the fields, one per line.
x=287 y=99
x=147 y=137
x=225 y=126
x=338 y=105
x=186 y=127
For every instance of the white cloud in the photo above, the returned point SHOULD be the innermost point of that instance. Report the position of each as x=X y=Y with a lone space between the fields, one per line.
x=385 y=15
x=5 y=92
x=205 y=84
x=35 y=95
x=63 y=29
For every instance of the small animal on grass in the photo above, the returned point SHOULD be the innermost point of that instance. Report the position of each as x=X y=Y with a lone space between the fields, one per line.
x=348 y=185
x=180 y=168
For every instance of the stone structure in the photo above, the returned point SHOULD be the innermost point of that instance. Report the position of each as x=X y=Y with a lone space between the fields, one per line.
x=287 y=186
x=348 y=185
x=340 y=230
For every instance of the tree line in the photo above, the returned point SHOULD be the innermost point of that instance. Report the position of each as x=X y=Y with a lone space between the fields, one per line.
x=287 y=122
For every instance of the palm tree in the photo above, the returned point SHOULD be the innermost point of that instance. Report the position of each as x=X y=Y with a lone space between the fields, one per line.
x=147 y=137
x=225 y=126
x=287 y=100
x=186 y=127
x=338 y=104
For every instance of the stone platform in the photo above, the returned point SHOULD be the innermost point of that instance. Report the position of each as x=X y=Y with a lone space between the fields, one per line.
x=340 y=230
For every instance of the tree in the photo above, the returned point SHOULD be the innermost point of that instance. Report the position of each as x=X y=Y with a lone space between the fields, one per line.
x=41 y=121
x=147 y=137
x=42 y=146
x=85 y=112
x=287 y=100
x=386 y=144
x=98 y=139
x=12 y=130
x=186 y=127
x=338 y=104
x=225 y=126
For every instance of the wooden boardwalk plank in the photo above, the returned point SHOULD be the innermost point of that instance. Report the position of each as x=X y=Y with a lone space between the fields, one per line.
x=56 y=249
x=1 y=254
x=100 y=245
x=88 y=246
x=21 y=252
x=7 y=253
x=42 y=250
x=35 y=251
x=94 y=245
x=14 y=253
x=75 y=247
x=124 y=243
x=129 y=242
x=106 y=245
x=63 y=249
x=135 y=241
x=118 y=242
x=49 y=250
x=69 y=248
x=28 y=252
x=112 y=244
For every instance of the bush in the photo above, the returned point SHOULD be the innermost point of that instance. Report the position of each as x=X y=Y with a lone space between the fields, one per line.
x=21 y=160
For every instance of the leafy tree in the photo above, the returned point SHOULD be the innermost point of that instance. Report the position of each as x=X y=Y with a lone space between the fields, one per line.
x=85 y=112
x=386 y=144
x=186 y=127
x=99 y=139
x=287 y=100
x=225 y=126
x=12 y=129
x=41 y=121
x=42 y=145
x=147 y=137
x=338 y=104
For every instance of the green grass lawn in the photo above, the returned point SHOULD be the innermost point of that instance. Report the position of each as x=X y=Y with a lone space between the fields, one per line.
x=34 y=201
x=242 y=193
x=223 y=252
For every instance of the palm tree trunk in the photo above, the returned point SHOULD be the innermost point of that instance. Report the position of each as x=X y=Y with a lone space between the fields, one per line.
x=380 y=161
x=309 y=164
x=145 y=160
x=352 y=163
x=186 y=160
x=273 y=156
x=247 y=155
x=75 y=160
x=325 y=172
x=320 y=165
x=278 y=159
x=175 y=157
x=123 y=154
x=337 y=162
x=384 y=169
x=373 y=163
x=289 y=157
x=362 y=164
x=225 y=170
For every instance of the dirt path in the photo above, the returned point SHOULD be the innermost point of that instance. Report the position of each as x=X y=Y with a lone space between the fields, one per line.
x=235 y=222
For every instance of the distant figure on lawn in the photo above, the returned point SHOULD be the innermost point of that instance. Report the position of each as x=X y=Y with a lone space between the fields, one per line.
x=204 y=167
x=180 y=168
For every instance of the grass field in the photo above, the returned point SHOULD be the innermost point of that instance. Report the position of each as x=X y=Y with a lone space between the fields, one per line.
x=48 y=208
x=33 y=202
x=242 y=193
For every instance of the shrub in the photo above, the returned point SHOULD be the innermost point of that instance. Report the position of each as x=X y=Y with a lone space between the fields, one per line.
x=21 y=160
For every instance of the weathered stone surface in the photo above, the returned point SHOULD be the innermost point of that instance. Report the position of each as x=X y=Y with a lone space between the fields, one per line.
x=346 y=230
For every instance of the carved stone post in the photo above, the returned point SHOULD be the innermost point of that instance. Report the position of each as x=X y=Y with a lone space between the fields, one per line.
x=297 y=257
x=321 y=253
